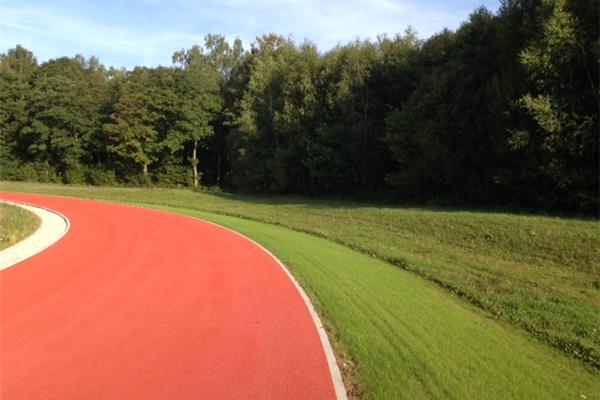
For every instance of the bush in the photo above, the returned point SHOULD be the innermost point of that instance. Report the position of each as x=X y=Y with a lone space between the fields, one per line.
x=101 y=177
x=31 y=172
x=26 y=172
x=173 y=175
x=138 y=180
x=9 y=169
x=74 y=176
x=46 y=173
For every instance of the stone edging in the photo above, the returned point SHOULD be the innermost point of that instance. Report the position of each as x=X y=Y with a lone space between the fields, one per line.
x=53 y=226
x=334 y=369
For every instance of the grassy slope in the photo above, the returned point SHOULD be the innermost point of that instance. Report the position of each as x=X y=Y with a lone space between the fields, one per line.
x=408 y=338
x=15 y=224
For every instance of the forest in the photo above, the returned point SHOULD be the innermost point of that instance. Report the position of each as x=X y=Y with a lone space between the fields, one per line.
x=502 y=112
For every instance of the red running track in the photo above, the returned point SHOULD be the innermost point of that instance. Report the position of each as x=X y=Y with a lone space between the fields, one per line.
x=140 y=304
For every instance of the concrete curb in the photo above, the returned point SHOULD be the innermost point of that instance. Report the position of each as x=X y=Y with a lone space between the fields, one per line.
x=334 y=369
x=52 y=228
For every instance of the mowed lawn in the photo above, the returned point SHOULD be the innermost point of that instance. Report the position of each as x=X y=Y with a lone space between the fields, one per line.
x=15 y=224
x=477 y=305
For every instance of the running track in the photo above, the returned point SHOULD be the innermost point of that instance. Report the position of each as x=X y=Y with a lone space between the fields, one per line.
x=141 y=304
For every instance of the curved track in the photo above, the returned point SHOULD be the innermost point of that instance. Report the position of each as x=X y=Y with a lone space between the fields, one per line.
x=140 y=304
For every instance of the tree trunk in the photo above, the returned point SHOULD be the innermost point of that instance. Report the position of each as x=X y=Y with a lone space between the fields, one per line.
x=146 y=170
x=195 y=163
x=365 y=139
x=219 y=168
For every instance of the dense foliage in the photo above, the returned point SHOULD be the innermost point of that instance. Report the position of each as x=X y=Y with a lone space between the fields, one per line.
x=504 y=111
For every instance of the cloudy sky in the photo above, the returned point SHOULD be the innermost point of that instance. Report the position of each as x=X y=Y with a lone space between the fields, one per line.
x=147 y=32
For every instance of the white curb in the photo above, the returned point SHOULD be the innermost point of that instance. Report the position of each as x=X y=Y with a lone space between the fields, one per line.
x=53 y=226
x=334 y=369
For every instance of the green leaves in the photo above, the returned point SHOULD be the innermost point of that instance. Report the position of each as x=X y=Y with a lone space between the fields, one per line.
x=564 y=98
x=199 y=82
x=133 y=129
x=61 y=115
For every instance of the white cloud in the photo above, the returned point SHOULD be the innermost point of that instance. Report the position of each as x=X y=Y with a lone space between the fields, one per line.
x=148 y=31
x=22 y=28
x=87 y=36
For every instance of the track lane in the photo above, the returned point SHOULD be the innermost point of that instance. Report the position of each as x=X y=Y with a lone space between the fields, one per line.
x=139 y=304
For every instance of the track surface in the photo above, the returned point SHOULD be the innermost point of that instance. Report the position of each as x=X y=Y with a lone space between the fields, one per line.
x=140 y=304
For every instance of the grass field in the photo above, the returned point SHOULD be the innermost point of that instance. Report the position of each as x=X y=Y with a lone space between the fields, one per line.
x=403 y=336
x=15 y=224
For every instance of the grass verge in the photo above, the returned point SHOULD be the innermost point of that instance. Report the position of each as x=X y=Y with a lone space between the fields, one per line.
x=15 y=224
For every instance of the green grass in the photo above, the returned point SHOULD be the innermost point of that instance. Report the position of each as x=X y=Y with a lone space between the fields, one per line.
x=404 y=336
x=15 y=224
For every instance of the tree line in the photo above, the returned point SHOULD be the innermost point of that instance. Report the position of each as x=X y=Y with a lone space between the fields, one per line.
x=502 y=111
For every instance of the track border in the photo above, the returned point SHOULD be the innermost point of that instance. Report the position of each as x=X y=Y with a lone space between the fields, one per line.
x=334 y=369
x=28 y=253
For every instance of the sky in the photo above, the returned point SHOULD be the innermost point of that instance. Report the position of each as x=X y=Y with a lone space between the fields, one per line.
x=126 y=33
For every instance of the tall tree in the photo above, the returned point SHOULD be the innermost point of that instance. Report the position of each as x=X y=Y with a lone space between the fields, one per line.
x=17 y=67
x=198 y=91
x=441 y=137
x=62 y=116
x=228 y=60
x=563 y=67
x=277 y=121
x=142 y=118
x=350 y=104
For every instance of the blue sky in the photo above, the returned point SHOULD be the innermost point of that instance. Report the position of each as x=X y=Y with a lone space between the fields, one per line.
x=147 y=32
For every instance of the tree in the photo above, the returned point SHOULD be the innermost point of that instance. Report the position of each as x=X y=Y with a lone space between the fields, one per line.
x=229 y=61
x=562 y=65
x=142 y=117
x=441 y=138
x=62 y=117
x=277 y=120
x=198 y=91
x=17 y=67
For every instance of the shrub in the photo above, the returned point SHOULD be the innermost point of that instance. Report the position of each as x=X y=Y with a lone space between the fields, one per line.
x=138 y=180
x=74 y=176
x=101 y=177
x=31 y=172
x=45 y=173
x=26 y=172
x=173 y=175
x=9 y=169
